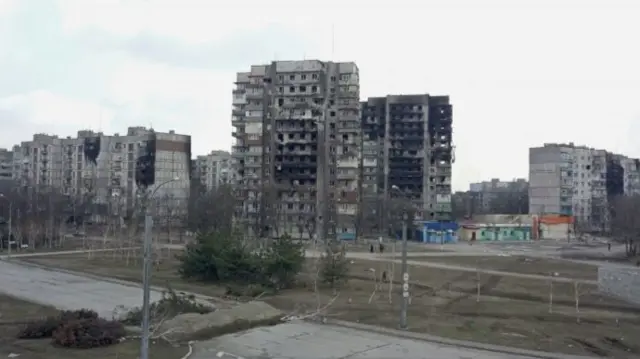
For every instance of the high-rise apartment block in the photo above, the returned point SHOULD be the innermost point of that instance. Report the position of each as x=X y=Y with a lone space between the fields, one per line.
x=296 y=153
x=579 y=181
x=485 y=193
x=6 y=164
x=407 y=152
x=213 y=169
x=103 y=167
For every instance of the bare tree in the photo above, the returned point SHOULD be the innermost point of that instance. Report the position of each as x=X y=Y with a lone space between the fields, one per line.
x=625 y=222
x=211 y=211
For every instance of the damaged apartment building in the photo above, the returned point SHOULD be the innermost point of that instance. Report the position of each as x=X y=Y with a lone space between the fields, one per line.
x=103 y=168
x=579 y=181
x=296 y=152
x=407 y=155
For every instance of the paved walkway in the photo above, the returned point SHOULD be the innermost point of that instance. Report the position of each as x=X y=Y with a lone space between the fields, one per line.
x=68 y=291
x=300 y=340
x=378 y=257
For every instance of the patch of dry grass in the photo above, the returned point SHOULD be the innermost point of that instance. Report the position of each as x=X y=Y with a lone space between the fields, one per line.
x=14 y=311
x=520 y=264
x=511 y=311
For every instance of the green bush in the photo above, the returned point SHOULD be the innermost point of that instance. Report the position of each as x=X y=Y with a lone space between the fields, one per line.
x=282 y=260
x=222 y=258
x=334 y=265
x=88 y=333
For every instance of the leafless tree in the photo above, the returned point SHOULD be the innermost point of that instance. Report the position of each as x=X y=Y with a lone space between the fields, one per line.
x=625 y=222
x=37 y=215
x=212 y=210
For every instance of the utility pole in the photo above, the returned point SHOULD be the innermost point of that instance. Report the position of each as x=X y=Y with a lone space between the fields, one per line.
x=146 y=278
x=405 y=275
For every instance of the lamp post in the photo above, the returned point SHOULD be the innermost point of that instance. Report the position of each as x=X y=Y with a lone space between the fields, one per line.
x=9 y=224
x=146 y=270
x=405 y=269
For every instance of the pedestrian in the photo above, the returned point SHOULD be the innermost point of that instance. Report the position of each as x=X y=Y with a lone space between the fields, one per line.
x=609 y=246
x=371 y=250
x=381 y=247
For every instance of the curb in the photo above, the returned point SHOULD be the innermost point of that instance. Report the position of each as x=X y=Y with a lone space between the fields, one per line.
x=212 y=300
x=451 y=342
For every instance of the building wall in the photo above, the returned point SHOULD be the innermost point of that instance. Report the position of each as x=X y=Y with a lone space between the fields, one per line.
x=278 y=119
x=579 y=181
x=484 y=193
x=6 y=164
x=408 y=152
x=501 y=232
x=64 y=163
x=213 y=169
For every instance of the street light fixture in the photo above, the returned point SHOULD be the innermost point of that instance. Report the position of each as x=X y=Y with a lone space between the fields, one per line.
x=146 y=270
x=10 y=223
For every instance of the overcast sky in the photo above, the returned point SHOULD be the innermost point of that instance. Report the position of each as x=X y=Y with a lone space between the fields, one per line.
x=519 y=72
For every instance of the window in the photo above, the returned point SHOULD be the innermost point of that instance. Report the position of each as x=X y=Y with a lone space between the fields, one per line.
x=303 y=77
x=280 y=78
x=333 y=78
x=303 y=88
x=314 y=89
x=292 y=77
x=292 y=89
x=314 y=76
x=280 y=89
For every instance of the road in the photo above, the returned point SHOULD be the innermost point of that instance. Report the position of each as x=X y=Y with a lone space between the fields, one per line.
x=68 y=291
x=300 y=340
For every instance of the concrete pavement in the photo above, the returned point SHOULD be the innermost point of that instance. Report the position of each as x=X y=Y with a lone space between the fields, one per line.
x=303 y=340
x=68 y=291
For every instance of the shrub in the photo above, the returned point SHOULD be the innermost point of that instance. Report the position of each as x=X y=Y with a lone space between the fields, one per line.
x=282 y=260
x=222 y=258
x=39 y=329
x=169 y=306
x=45 y=327
x=334 y=265
x=88 y=333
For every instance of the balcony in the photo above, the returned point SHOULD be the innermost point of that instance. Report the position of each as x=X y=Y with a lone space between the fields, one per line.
x=239 y=100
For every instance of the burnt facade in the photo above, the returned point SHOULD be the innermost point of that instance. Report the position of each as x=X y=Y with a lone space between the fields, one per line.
x=407 y=153
x=295 y=158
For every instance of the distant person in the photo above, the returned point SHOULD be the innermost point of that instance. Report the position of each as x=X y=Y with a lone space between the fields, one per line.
x=381 y=247
x=609 y=246
x=371 y=250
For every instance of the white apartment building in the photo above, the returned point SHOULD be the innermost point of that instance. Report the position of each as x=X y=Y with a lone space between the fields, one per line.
x=281 y=145
x=579 y=181
x=213 y=169
x=103 y=167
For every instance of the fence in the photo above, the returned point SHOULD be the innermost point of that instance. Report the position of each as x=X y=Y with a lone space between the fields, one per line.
x=620 y=282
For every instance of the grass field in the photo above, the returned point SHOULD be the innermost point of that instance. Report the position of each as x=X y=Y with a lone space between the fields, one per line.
x=520 y=264
x=509 y=311
x=14 y=311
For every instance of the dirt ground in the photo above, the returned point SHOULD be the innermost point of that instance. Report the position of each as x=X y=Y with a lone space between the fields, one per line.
x=520 y=264
x=14 y=311
x=509 y=311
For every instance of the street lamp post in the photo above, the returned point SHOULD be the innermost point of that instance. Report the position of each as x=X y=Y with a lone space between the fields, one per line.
x=146 y=271
x=405 y=268
x=9 y=224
